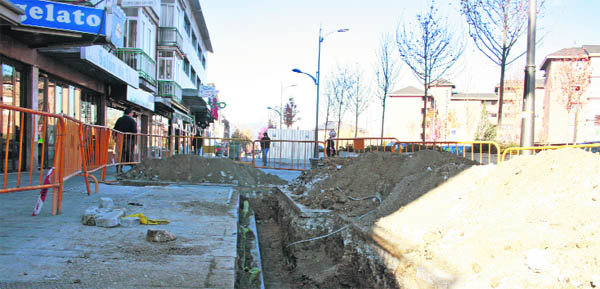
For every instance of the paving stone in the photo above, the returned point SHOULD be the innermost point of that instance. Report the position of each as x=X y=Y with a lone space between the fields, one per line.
x=159 y=236
x=89 y=216
x=108 y=220
x=130 y=222
x=106 y=203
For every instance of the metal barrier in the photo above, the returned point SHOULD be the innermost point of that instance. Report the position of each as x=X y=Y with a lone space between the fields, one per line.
x=513 y=151
x=236 y=149
x=486 y=152
x=285 y=155
x=349 y=147
x=50 y=129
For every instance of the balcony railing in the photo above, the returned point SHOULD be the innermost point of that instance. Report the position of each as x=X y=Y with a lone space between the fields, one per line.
x=170 y=36
x=140 y=61
x=168 y=88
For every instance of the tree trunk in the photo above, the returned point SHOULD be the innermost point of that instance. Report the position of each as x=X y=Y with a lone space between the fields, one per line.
x=356 y=125
x=339 y=120
x=575 y=125
x=424 y=113
x=501 y=92
x=383 y=113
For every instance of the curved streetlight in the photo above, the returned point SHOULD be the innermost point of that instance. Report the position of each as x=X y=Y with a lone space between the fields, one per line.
x=317 y=83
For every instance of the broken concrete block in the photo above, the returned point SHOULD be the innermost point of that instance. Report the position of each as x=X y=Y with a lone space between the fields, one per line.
x=120 y=212
x=106 y=203
x=159 y=236
x=108 y=220
x=130 y=222
x=89 y=217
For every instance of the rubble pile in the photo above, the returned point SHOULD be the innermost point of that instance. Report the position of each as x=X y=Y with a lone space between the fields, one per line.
x=195 y=169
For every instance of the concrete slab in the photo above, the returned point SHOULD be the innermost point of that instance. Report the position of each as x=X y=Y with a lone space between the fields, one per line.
x=48 y=251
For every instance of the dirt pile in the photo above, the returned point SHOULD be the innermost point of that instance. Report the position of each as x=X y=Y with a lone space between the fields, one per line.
x=196 y=169
x=530 y=222
x=354 y=186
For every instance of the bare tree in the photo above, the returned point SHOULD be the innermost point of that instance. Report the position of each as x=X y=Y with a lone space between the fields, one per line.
x=429 y=49
x=342 y=92
x=573 y=78
x=386 y=72
x=358 y=101
x=328 y=105
x=290 y=113
x=496 y=26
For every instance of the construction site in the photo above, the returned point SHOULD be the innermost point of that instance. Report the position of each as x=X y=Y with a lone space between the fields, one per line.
x=422 y=219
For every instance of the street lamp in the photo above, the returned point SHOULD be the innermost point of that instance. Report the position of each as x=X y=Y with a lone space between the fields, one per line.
x=280 y=117
x=317 y=82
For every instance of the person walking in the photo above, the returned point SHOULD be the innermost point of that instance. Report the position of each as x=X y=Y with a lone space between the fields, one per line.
x=330 y=144
x=198 y=142
x=126 y=124
x=265 y=144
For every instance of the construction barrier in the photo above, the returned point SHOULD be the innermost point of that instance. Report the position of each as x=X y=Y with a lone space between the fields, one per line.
x=285 y=154
x=14 y=144
x=349 y=147
x=515 y=151
x=485 y=152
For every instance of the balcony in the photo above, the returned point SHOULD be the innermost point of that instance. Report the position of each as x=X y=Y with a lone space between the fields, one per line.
x=170 y=89
x=170 y=36
x=140 y=61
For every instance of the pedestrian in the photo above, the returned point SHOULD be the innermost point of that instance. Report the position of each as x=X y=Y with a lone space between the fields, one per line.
x=198 y=142
x=265 y=144
x=126 y=124
x=330 y=145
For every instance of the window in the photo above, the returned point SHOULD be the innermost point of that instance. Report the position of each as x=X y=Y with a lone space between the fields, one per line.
x=187 y=25
x=198 y=82
x=131 y=35
x=194 y=38
x=199 y=51
x=186 y=66
x=203 y=61
x=193 y=76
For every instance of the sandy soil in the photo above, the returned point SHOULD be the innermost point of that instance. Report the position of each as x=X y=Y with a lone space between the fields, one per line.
x=530 y=222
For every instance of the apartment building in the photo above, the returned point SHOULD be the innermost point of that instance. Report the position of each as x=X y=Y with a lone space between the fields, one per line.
x=92 y=60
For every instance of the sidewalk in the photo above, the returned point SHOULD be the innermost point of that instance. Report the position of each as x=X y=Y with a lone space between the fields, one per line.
x=48 y=251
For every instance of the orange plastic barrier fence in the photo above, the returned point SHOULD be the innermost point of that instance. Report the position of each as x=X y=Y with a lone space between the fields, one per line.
x=484 y=152
x=515 y=151
x=15 y=145
x=285 y=154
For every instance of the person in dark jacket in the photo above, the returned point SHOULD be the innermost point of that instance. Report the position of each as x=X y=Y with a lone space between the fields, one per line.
x=265 y=144
x=330 y=145
x=127 y=124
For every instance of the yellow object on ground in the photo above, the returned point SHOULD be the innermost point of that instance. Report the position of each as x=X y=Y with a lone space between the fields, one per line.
x=144 y=220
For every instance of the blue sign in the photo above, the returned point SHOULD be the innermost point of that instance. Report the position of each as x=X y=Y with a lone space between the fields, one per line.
x=62 y=16
x=116 y=23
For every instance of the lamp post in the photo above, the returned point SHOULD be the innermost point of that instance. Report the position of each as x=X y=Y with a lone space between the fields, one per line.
x=317 y=83
x=280 y=117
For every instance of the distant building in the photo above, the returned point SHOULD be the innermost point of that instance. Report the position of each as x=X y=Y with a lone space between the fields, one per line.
x=559 y=123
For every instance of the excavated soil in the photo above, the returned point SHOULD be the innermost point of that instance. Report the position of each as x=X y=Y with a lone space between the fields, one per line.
x=438 y=221
x=196 y=169
x=353 y=186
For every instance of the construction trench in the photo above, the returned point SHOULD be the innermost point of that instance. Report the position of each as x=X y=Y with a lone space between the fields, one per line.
x=423 y=220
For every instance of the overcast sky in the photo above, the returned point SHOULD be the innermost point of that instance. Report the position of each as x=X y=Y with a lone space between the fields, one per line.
x=257 y=43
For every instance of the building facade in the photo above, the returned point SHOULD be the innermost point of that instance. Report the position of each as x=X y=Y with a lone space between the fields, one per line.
x=92 y=62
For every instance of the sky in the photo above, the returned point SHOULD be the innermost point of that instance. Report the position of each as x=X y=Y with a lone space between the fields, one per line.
x=257 y=43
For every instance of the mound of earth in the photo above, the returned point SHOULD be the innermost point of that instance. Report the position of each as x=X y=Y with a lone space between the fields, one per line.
x=196 y=169
x=354 y=186
x=531 y=222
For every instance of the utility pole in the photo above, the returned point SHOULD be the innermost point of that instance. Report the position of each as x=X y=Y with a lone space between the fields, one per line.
x=528 y=115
